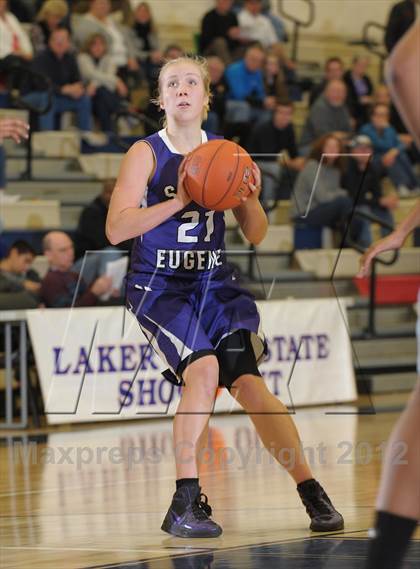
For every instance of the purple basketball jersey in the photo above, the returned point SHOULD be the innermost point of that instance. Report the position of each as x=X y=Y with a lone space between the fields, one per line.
x=190 y=244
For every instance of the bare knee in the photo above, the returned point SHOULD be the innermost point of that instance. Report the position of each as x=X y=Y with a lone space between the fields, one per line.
x=250 y=391
x=202 y=377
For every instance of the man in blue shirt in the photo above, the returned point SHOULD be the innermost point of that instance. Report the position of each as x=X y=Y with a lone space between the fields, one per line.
x=247 y=100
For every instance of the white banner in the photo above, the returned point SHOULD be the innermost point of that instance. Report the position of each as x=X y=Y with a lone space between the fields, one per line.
x=94 y=363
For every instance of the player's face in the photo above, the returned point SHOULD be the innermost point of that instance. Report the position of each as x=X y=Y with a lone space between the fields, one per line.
x=183 y=96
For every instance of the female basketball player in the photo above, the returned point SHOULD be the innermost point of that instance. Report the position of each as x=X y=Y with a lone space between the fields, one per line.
x=398 y=502
x=188 y=304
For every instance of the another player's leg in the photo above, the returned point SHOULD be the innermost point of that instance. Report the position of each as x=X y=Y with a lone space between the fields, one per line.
x=398 y=503
x=189 y=515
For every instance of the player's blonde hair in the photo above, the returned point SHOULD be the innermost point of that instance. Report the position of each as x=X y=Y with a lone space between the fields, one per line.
x=201 y=64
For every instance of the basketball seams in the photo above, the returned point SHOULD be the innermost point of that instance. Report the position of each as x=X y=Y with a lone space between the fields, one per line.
x=208 y=170
x=233 y=177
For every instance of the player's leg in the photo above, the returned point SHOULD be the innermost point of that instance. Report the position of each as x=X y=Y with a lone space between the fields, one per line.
x=188 y=514
x=274 y=425
x=169 y=323
x=201 y=380
x=398 y=502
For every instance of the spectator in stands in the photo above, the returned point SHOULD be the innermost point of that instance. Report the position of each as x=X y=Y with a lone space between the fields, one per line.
x=363 y=183
x=52 y=15
x=333 y=69
x=247 y=100
x=99 y=72
x=119 y=38
x=145 y=33
x=359 y=90
x=276 y=21
x=218 y=90
x=273 y=146
x=90 y=233
x=15 y=270
x=319 y=200
x=382 y=95
x=220 y=34
x=256 y=27
x=274 y=79
x=14 y=41
x=59 y=64
x=62 y=287
x=389 y=152
x=329 y=113
x=401 y=17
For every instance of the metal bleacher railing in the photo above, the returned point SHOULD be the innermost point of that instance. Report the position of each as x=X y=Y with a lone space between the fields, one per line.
x=298 y=23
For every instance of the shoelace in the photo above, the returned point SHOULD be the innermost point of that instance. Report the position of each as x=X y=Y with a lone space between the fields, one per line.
x=201 y=508
x=317 y=504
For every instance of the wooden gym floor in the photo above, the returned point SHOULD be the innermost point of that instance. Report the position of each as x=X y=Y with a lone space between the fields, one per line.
x=78 y=497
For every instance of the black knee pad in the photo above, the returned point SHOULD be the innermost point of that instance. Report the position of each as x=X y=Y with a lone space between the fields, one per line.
x=236 y=357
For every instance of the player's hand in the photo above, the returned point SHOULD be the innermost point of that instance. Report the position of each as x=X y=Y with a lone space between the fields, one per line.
x=255 y=186
x=393 y=241
x=181 y=193
x=13 y=128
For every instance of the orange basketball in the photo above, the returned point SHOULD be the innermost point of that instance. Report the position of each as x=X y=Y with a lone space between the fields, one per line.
x=218 y=174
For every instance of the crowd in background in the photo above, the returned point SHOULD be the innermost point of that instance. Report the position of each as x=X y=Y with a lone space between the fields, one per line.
x=98 y=61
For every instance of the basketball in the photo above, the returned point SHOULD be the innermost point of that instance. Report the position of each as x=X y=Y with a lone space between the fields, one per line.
x=218 y=174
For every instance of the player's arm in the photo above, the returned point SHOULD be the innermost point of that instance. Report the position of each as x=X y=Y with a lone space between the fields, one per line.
x=402 y=71
x=394 y=240
x=250 y=214
x=126 y=219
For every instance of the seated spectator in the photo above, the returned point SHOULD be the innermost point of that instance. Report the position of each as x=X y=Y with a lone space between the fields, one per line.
x=15 y=270
x=333 y=69
x=59 y=64
x=145 y=33
x=319 y=200
x=14 y=40
x=119 y=39
x=220 y=34
x=274 y=79
x=276 y=21
x=62 y=287
x=247 y=100
x=382 y=95
x=90 y=233
x=389 y=152
x=256 y=27
x=99 y=73
x=363 y=183
x=273 y=147
x=329 y=113
x=218 y=90
x=52 y=15
x=359 y=90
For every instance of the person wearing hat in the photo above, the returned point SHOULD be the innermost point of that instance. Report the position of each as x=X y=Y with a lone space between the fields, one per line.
x=363 y=183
